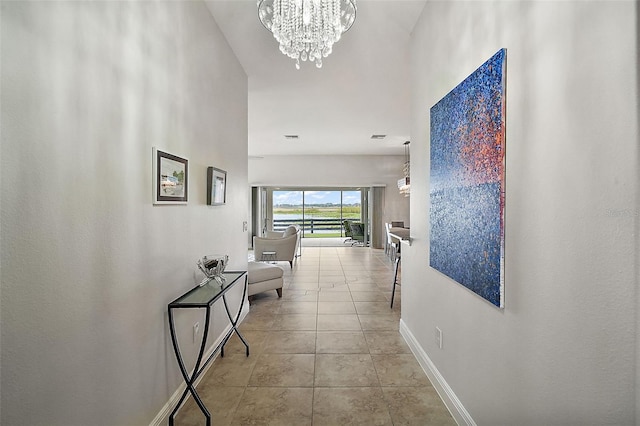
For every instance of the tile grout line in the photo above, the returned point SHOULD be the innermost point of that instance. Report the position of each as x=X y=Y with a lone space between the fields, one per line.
x=376 y=279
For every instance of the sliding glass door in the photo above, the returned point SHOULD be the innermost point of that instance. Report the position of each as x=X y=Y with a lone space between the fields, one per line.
x=318 y=212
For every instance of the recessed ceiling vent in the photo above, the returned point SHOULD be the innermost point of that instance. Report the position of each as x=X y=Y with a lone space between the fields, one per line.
x=291 y=136
x=378 y=136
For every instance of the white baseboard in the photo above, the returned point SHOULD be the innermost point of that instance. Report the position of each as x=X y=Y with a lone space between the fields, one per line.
x=453 y=404
x=162 y=418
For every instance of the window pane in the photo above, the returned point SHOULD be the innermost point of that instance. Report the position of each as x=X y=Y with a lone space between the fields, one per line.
x=287 y=209
x=322 y=214
x=351 y=208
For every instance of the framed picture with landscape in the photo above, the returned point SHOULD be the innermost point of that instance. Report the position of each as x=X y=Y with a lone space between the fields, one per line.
x=216 y=186
x=170 y=178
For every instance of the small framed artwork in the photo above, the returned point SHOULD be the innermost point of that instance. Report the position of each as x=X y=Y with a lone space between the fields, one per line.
x=216 y=186
x=170 y=178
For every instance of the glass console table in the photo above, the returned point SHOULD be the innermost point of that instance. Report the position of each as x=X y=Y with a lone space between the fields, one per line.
x=203 y=297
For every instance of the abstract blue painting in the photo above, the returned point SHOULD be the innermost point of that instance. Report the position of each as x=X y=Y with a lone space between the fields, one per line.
x=467 y=181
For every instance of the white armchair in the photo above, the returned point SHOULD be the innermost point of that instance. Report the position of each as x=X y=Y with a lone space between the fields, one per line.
x=284 y=244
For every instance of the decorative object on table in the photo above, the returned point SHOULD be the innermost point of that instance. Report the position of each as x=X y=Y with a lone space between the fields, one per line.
x=170 y=178
x=468 y=181
x=404 y=184
x=216 y=186
x=307 y=29
x=212 y=266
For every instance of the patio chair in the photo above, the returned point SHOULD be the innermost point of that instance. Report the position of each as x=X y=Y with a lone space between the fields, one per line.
x=347 y=231
x=357 y=233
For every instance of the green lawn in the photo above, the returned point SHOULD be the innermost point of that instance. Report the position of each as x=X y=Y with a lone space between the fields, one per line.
x=327 y=235
x=333 y=212
x=348 y=212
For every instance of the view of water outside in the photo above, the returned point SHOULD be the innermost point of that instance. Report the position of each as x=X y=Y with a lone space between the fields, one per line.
x=321 y=211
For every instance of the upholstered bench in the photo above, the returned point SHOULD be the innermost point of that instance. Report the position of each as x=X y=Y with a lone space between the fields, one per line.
x=264 y=277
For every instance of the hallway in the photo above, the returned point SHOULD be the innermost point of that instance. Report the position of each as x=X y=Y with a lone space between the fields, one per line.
x=327 y=353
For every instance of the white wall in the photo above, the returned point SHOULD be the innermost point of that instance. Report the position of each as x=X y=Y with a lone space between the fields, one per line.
x=336 y=171
x=88 y=263
x=637 y=229
x=563 y=349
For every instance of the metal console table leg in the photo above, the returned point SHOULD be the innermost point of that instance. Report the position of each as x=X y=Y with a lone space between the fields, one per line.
x=186 y=301
x=233 y=322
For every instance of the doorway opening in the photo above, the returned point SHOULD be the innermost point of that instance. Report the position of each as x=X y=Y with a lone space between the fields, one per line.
x=319 y=212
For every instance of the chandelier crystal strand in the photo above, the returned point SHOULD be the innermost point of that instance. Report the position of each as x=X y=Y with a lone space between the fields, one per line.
x=307 y=29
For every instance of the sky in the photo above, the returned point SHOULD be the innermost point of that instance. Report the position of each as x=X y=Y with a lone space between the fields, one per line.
x=315 y=197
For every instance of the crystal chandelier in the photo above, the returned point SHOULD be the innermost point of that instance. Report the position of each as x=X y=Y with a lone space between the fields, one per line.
x=307 y=29
x=404 y=184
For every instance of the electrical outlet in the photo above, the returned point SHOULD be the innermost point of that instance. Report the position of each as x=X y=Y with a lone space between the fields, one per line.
x=439 y=337
x=245 y=226
x=196 y=330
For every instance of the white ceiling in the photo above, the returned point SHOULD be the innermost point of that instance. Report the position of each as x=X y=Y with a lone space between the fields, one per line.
x=362 y=88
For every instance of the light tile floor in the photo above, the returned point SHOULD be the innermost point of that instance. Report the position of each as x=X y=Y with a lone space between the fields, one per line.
x=327 y=353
